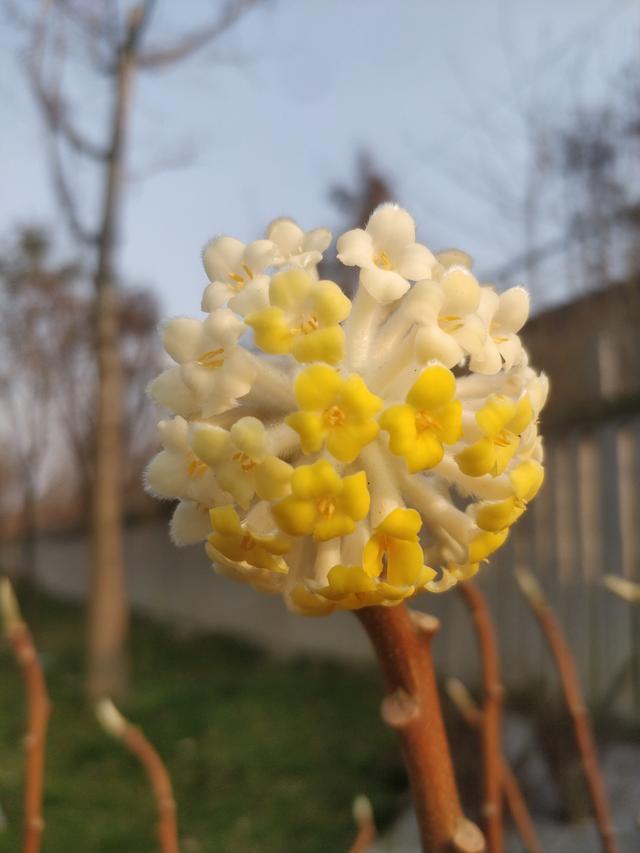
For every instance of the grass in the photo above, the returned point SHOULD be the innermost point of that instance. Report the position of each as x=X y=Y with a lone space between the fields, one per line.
x=265 y=755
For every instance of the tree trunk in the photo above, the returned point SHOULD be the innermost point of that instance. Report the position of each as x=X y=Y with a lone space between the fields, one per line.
x=108 y=612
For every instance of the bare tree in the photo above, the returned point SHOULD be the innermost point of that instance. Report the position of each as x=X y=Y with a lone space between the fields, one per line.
x=37 y=301
x=114 y=51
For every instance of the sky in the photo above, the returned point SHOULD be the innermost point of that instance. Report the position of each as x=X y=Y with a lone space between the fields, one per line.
x=267 y=120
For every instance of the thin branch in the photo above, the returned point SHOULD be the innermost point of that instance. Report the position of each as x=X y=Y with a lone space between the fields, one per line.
x=66 y=198
x=513 y=795
x=402 y=644
x=566 y=667
x=363 y=816
x=38 y=710
x=195 y=41
x=135 y=741
x=628 y=590
x=492 y=713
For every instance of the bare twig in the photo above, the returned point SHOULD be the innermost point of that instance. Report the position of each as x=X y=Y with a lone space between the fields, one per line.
x=566 y=667
x=472 y=714
x=412 y=706
x=363 y=816
x=195 y=41
x=491 y=715
x=133 y=738
x=38 y=710
x=624 y=588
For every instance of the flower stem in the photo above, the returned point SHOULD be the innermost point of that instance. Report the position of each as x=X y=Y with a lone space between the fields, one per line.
x=412 y=706
x=567 y=670
x=491 y=714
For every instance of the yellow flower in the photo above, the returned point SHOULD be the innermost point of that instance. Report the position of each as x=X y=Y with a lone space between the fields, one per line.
x=323 y=504
x=237 y=542
x=302 y=318
x=430 y=418
x=502 y=421
x=336 y=410
x=526 y=479
x=395 y=552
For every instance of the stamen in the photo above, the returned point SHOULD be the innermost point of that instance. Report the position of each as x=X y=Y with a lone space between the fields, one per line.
x=382 y=260
x=450 y=322
x=248 y=271
x=326 y=507
x=247 y=542
x=239 y=280
x=246 y=462
x=196 y=467
x=334 y=416
x=309 y=325
x=212 y=359
x=425 y=421
x=504 y=438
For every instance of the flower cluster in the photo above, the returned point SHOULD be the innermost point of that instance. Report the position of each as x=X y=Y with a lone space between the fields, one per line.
x=348 y=453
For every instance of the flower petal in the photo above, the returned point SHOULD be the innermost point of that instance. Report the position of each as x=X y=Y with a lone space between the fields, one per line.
x=434 y=388
x=190 y=523
x=384 y=285
x=432 y=342
x=391 y=228
x=221 y=256
x=513 y=309
x=310 y=427
x=289 y=289
x=355 y=248
x=316 y=387
x=322 y=345
x=273 y=478
x=330 y=305
x=462 y=291
x=182 y=338
x=427 y=451
x=415 y=262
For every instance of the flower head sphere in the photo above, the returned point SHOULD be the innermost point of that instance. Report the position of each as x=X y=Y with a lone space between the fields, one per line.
x=348 y=453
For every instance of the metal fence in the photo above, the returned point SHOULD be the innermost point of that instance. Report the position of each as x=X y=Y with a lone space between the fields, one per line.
x=583 y=525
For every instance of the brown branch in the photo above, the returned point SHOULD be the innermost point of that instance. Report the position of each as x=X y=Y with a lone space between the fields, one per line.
x=136 y=742
x=622 y=587
x=566 y=667
x=412 y=707
x=197 y=40
x=513 y=795
x=363 y=816
x=38 y=710
x=492 y=713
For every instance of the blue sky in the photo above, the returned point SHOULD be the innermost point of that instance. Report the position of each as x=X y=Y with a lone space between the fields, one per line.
x=263 y=124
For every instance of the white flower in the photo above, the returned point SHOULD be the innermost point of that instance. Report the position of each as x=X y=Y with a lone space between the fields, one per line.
x=387 y=253
x=176 y=472
x=242 y=460
x=235 y=274
x=503 y=316
x=449 y=327
x=295 y=246
x=212 y=365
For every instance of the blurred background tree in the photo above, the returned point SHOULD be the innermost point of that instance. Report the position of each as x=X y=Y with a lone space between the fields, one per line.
x=106 y=42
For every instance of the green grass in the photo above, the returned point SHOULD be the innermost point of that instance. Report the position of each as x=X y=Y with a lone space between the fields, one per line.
x=265 y=755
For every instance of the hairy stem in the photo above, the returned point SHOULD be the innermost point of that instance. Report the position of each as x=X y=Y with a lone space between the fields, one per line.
x=412 y=707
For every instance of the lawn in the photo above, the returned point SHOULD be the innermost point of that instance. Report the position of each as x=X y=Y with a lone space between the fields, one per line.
x=265 y=755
